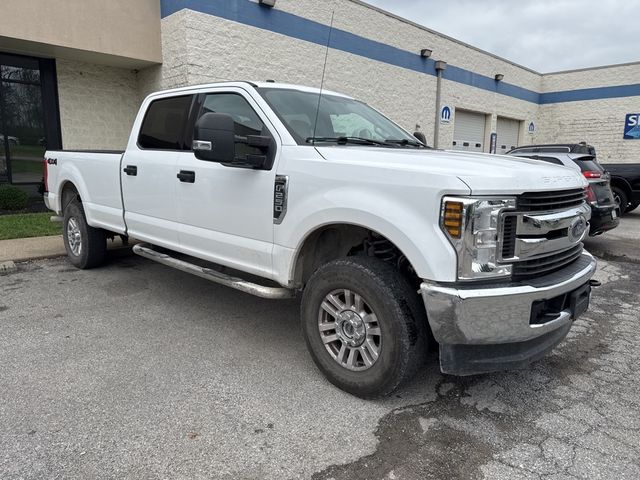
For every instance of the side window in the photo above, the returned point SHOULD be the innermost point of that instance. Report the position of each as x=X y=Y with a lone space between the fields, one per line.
x=164 y=123
x=246 y=120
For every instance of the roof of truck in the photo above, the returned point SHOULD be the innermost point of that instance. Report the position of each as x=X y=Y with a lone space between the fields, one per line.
x=257 y=85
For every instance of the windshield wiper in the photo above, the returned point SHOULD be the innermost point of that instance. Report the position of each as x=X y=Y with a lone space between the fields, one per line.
x=346 y=140
x=404 y=142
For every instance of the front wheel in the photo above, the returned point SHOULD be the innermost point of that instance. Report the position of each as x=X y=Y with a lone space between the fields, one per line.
x=86 y=246
x=363 y=325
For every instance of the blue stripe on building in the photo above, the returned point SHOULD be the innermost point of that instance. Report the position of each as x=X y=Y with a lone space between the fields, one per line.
x=277 y=21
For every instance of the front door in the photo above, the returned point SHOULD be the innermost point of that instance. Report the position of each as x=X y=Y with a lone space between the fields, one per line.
x=226 y=213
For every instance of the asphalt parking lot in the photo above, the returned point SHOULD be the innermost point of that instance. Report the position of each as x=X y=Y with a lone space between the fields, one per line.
x=138 y=371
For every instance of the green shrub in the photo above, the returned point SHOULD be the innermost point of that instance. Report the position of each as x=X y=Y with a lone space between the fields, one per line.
x=12 y=198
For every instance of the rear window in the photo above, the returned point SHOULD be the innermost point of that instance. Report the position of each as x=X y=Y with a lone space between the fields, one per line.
x=588 y=164
x=164 y=123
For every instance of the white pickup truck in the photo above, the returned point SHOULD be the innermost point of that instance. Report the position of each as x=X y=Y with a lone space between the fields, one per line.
x=395 y=247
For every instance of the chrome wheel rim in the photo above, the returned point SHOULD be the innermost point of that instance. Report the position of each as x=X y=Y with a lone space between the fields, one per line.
x=349 y=329
x=74 y=237
x=617 y=200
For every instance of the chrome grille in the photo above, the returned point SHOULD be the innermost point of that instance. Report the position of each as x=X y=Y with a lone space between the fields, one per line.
x=550 y=201
x=547 y=264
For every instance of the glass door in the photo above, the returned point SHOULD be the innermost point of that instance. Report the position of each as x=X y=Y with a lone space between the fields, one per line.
x=23 y=129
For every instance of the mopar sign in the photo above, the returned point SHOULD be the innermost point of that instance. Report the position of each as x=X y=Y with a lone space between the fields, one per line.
x=532 y=128
x=632 y=127
x=445 y=115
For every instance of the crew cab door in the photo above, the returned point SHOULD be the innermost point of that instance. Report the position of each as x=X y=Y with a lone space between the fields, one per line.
x=149 y=169
x=226 y=213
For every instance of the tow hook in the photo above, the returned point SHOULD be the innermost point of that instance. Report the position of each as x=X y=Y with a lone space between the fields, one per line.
x=595 y=283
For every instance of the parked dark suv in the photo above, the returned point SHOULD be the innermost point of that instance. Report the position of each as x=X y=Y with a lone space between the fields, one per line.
x=625 y=185
x=580 y=156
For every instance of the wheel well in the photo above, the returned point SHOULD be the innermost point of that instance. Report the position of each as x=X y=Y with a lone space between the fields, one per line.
x=621 y=184
x=332 y=242
x=69 y=194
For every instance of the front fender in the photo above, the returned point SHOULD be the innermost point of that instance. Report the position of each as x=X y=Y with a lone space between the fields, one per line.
x=412 y=227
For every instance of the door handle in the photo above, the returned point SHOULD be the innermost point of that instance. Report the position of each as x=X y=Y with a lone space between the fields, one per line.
x=187 y=176
x=131 y=170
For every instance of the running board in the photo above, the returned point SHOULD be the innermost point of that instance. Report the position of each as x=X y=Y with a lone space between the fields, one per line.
x=273 y=293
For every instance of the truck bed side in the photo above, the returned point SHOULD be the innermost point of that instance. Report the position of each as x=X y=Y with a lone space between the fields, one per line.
x=95 y=175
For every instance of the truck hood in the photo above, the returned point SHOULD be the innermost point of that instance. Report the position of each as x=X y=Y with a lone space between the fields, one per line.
x=483 y=173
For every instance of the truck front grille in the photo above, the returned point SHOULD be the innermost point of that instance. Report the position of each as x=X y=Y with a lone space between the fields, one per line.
x=543 y=201
x=542 y=266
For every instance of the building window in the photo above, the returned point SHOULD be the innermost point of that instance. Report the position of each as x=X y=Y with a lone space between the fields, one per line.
x=29 y=118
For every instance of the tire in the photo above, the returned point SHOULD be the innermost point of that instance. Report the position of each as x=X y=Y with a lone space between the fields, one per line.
x=621 y=200
x=631 y=207
x=86 y=246
x=396 y=328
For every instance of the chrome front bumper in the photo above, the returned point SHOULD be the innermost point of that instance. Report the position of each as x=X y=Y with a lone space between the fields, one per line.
x=488 y=328
x=501 y=314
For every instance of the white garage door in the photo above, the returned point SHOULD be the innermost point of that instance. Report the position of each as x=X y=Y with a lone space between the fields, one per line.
x=468 y=131
x=508 y=131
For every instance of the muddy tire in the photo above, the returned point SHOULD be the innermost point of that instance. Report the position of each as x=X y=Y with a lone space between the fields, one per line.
x=363 y=325
x=86 y=246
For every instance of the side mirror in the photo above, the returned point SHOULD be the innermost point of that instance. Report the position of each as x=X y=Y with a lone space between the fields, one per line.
x=420 y=136
x=214 y=138
x=215 y=141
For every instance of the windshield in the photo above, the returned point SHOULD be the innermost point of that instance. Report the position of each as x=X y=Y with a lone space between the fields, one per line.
x=339 y=118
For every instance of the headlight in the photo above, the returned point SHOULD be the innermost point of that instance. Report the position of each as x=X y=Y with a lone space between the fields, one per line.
x=472 y=225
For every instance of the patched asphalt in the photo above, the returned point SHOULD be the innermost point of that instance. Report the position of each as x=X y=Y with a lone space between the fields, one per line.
x=138 y=371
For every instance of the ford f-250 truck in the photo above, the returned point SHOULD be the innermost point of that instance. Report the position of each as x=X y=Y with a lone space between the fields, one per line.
x=395 y=247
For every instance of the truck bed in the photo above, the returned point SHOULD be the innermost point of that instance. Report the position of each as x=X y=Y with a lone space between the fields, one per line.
x=96 y=176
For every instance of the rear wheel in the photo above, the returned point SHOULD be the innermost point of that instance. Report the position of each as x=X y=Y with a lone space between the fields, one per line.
x=631 y=207
x=362 y=325
x=620 y=197
x=86 y=246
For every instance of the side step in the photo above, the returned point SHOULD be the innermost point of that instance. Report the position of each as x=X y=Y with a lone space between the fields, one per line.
x=274 y=293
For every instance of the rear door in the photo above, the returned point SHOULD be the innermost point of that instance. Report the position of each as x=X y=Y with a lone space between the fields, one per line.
x=226 y=213
x=149 y=171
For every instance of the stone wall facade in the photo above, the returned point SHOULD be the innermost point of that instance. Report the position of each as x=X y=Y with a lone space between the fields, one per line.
x=209 y=46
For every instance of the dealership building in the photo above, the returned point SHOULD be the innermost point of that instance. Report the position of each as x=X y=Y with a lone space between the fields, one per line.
x=74 y=73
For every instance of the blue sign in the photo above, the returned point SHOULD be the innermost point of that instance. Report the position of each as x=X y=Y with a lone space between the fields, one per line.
x=632 y=127
x=532 y=128
x=445 y=114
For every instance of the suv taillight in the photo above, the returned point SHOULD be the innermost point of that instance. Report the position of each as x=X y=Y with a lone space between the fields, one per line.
x=591 y=174
x=591 y=196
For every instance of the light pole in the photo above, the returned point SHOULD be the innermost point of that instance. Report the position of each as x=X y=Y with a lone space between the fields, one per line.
x=440 y=67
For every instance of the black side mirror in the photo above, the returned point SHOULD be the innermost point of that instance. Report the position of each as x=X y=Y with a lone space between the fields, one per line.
x=420 y=136
x=214 y=138
x=215 y=141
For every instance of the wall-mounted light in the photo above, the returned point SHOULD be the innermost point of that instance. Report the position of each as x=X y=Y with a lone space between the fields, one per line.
x=426 y=52
x=499 y=77
x=268 y=3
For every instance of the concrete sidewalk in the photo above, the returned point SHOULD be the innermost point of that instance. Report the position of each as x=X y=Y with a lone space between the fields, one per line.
x=21 y=249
